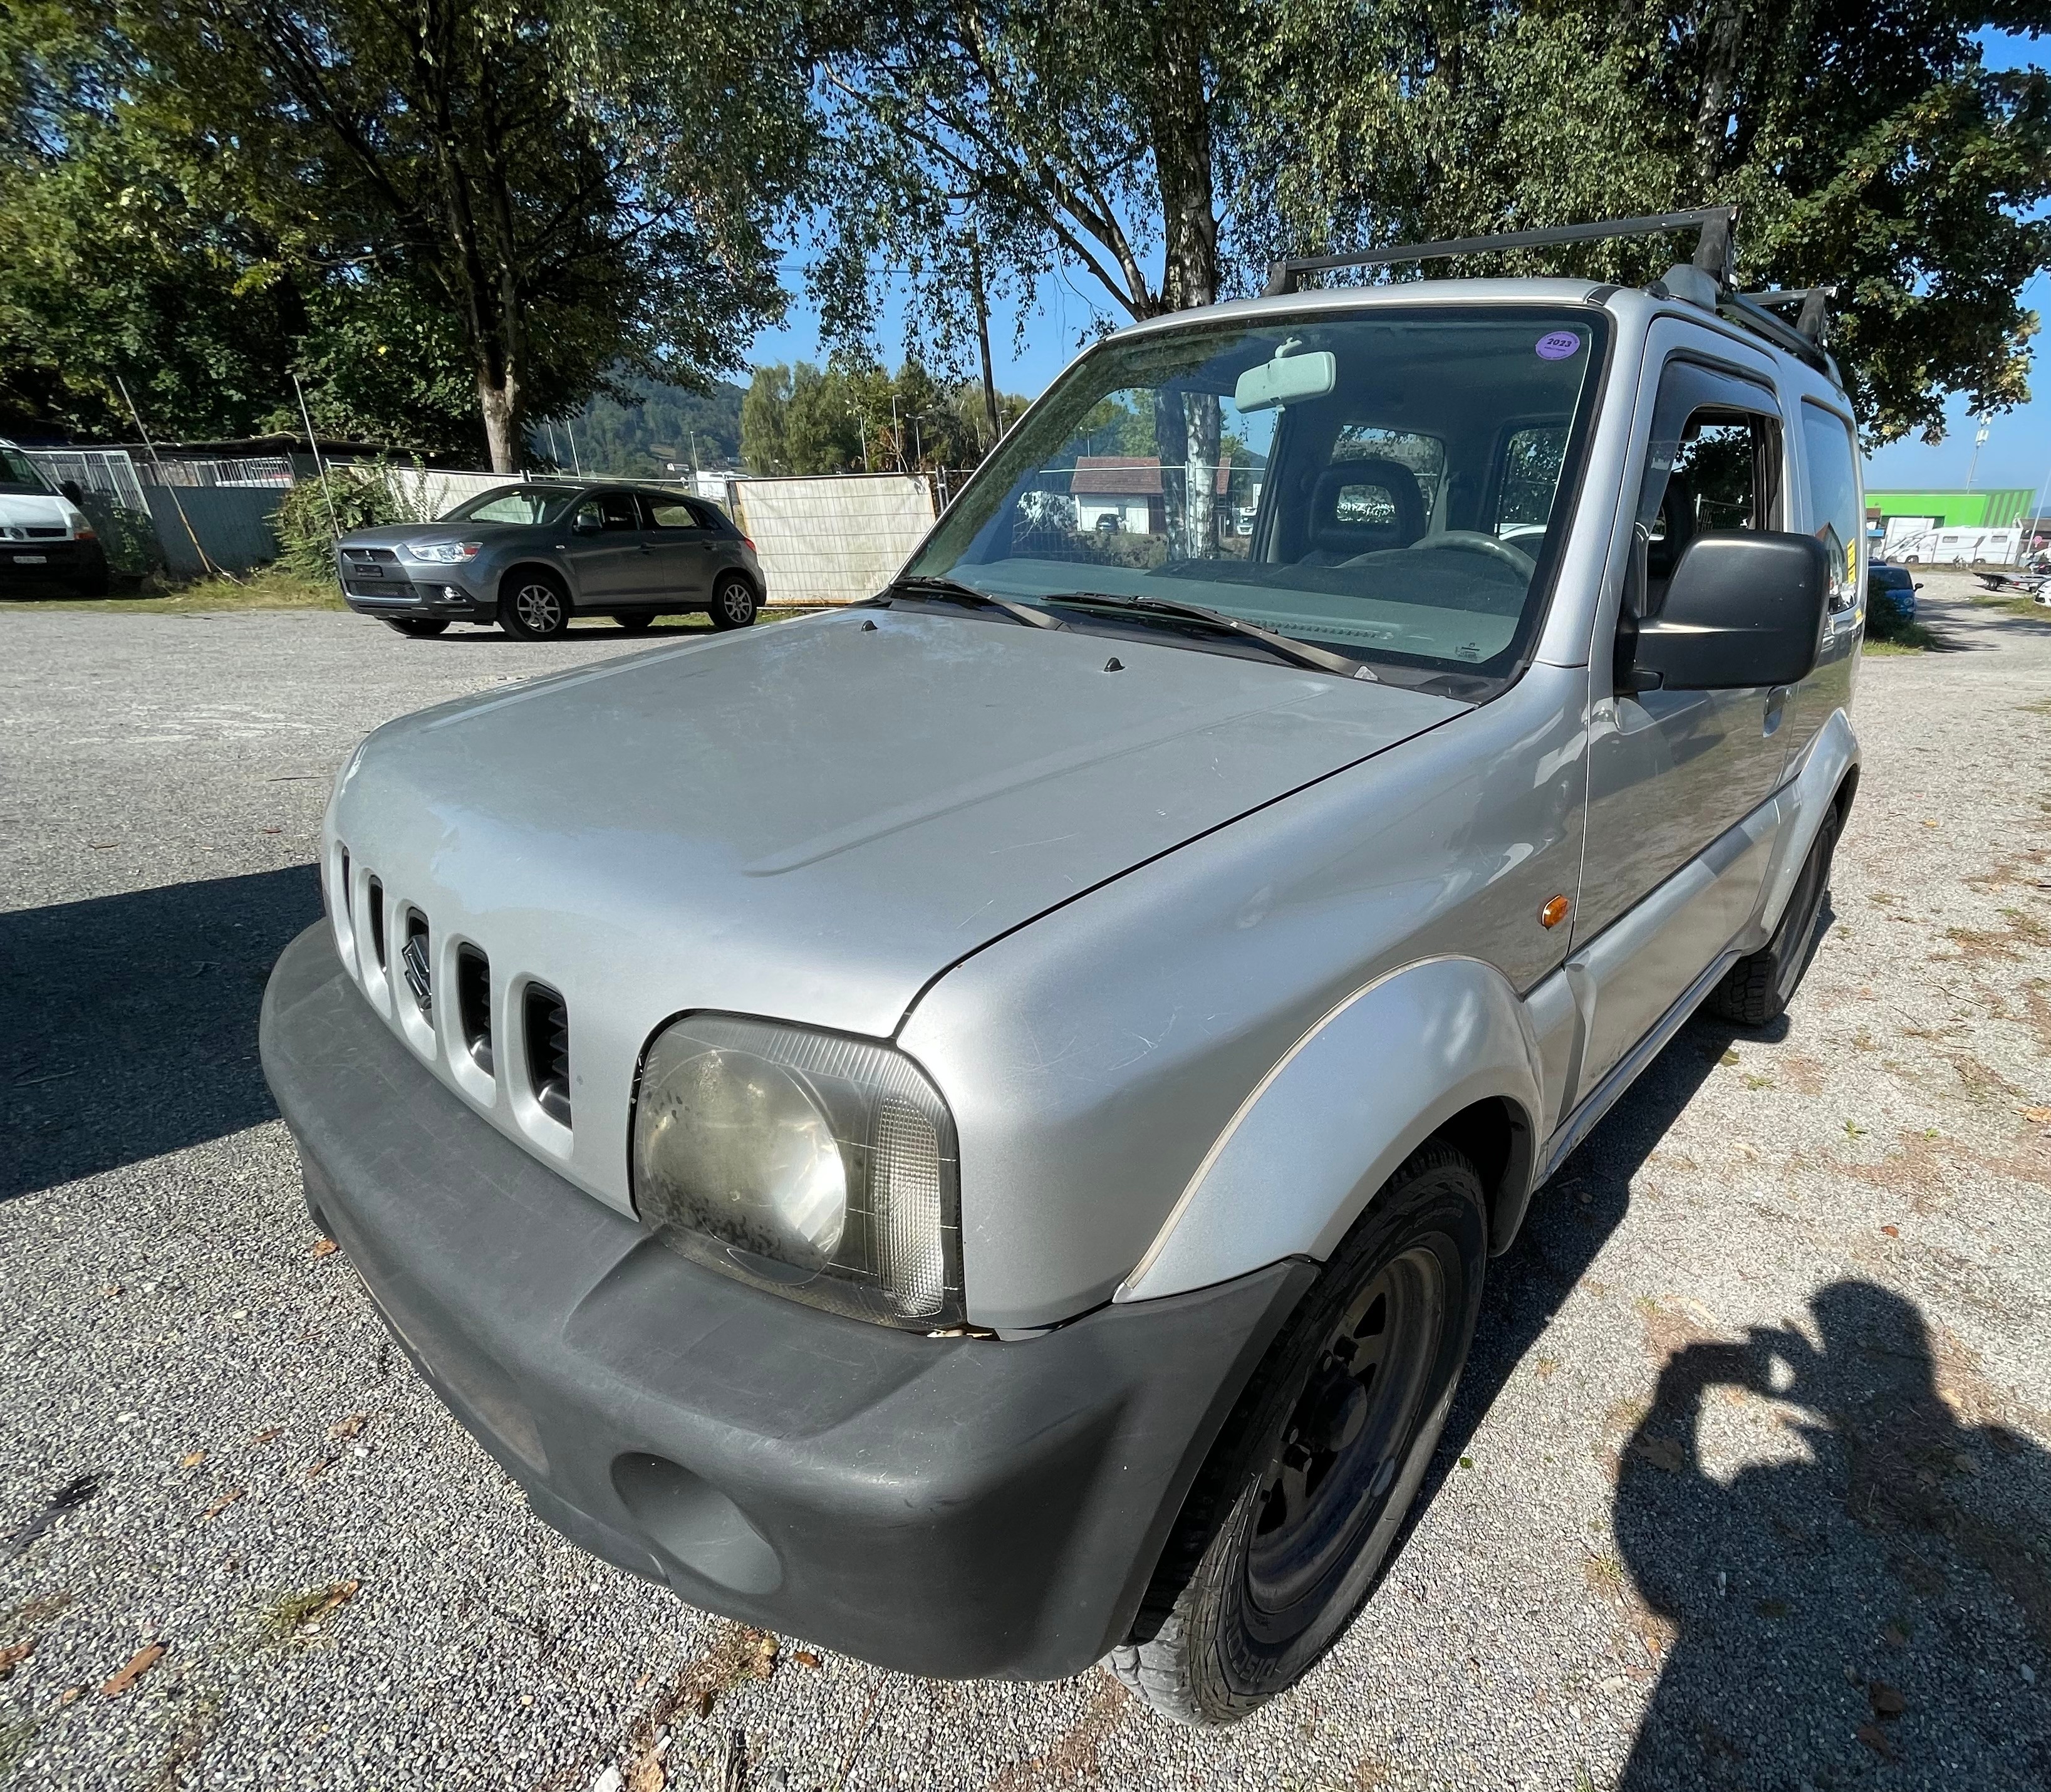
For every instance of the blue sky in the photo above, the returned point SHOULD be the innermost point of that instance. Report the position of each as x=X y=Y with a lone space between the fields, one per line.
x=2018 y=451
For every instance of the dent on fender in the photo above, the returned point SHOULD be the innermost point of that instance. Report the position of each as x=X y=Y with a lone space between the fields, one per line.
x=1332 y=1120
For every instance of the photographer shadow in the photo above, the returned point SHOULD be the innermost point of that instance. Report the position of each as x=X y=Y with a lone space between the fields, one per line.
x=1874 y=1606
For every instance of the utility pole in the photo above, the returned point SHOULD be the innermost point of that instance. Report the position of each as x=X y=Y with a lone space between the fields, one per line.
x=983 y=339
x=897 y=433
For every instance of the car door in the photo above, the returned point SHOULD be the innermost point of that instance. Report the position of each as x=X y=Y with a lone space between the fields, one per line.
x=604 y=548
x=680 y=542
x=1677 y=843
x=1831 y=489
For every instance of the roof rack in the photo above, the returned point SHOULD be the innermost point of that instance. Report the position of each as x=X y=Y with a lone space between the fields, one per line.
x=1713 y=251
x=1708 y=280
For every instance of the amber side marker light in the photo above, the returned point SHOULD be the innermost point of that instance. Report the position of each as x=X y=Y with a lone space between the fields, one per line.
x=1554 y=912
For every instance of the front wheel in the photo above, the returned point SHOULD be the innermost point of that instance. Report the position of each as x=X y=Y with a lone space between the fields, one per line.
x=533 y=608
x=734 y=605
x=419 y=628
x=1292 y=1516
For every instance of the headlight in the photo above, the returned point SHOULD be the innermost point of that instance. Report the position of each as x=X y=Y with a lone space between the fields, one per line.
x=816 y=1165
x=441 y=553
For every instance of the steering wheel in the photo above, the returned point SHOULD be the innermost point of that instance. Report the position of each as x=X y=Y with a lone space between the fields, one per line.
x=1473 y=541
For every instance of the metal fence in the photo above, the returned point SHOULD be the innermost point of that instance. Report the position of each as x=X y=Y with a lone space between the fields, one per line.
x=272 y=470
x=109 y=471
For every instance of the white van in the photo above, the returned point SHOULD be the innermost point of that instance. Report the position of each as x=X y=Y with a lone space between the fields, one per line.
x=44 y=537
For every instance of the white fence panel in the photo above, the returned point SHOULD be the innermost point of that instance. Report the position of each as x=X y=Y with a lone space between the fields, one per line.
x=104 y=470
x=428 y=492
x=837 y=538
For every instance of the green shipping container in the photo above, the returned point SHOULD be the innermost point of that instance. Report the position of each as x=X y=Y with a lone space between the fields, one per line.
x=1954 y=510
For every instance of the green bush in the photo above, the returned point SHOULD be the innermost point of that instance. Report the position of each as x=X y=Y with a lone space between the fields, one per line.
x=363 y=497
x=129 y=536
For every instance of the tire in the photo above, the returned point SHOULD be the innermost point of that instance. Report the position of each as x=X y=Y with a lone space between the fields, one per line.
x=1292 y=1516
x=733 y=602
x=93 y=582
x=1759 y=989
x=533 y=607
x=417 y=627
x=638 y=622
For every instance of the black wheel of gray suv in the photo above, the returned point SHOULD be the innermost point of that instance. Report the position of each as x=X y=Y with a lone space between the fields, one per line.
x=419 y=628
x=533 y=607
x=1291 y=1517
x=734 y=605
x=636 y=622
x=1758 y=989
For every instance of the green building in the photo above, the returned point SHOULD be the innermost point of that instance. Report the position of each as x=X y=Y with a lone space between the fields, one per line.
x=1953 y=510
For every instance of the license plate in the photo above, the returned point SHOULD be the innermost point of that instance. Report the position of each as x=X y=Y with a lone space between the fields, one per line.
x=367 y=572
x=32 y=560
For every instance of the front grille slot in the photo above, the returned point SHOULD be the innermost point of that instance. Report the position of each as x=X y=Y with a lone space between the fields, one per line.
x=375 y=892
x=38 y=534
x=473 y=1004
x=416 y=966
x=382 y=556
x=546 y=1023
x=348 y=894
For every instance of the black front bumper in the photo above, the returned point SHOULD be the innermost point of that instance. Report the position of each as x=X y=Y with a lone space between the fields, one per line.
x=429 y=597
x=956 y=1507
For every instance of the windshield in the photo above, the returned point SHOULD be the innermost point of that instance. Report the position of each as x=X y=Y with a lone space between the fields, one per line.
x=1388 y=484
x=512 y=504
x=18 y=474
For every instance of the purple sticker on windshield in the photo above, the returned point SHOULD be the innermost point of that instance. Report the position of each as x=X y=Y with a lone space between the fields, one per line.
x=1558 y=345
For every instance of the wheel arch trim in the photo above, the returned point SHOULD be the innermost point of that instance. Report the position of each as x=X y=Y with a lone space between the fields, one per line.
x=1318 y=1136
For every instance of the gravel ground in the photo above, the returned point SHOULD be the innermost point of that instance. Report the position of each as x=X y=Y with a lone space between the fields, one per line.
x=1749 y=1485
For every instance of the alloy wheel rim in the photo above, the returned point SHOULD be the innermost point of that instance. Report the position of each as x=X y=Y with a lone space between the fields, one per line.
x=1344 y=1445
x=735 y=602
x=538 y=607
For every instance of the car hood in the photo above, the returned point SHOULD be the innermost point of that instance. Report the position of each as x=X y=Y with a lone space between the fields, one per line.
x=812 y=820
x=24 y=510
x=397 y=534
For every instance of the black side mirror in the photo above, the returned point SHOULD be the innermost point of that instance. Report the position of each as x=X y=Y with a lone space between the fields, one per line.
x=587 y=524
x=1743 y=608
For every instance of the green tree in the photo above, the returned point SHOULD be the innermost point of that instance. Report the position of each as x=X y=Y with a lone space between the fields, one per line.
x=1865 y=144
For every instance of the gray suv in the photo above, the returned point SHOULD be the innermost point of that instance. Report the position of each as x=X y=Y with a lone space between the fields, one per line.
x=991 y=1160
x=530 y=556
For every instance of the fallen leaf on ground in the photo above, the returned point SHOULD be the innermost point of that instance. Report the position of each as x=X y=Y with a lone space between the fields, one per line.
x=327 y=1247
x=764 y=1664
x=192 y=1459
x=137 y=1665
x=70 y=1695
x=348 y=1427
x=268 y=1433
x=1886 y=1700
x=337 y=1595
x=1892 y=1232
x=805 y=1658
x=316 y=1470
x=2038 y=1116
x=1875 y=1739
x=647 y=1775
x=704 y=1702
x=13 y=1655
x=222 y=1504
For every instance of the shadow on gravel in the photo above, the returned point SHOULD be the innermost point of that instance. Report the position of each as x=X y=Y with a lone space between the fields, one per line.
x=132 y=1022
x=1882 y=1596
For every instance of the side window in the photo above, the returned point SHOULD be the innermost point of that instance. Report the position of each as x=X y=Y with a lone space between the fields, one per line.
x=1830 y=465
x=671 y=512
x=1709 y=466
x=619 y=510
x=1529 y=478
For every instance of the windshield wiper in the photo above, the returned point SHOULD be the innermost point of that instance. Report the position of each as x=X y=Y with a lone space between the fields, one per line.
x=1318 y=658
x=953 y=591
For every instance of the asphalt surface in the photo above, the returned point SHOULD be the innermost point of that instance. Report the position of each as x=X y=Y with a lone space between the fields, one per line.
x=1748 y=1485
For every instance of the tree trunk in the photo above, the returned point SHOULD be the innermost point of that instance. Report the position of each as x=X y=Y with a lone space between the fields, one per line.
x=499 y=401
x=982 y=342
x=1179 y=120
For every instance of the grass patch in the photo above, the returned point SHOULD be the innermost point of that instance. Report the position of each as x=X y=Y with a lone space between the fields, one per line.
x=269 y=587
x=2009 y=604
x=297 y=1616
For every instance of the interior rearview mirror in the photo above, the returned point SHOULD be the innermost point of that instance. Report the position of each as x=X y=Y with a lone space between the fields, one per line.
x=1285 y=379
x=1743 y=608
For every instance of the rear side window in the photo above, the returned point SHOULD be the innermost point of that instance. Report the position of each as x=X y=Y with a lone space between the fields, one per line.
x=1830 y=468
x=1713 y=462
x=672 y=513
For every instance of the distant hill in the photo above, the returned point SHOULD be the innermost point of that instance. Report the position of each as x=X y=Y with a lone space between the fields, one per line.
x=640 y=440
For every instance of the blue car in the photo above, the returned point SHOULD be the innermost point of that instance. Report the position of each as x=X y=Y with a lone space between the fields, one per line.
x=1890 y=588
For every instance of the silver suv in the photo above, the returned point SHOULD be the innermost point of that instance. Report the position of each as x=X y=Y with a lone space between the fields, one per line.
x=991 y=1162
x=530 y=556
